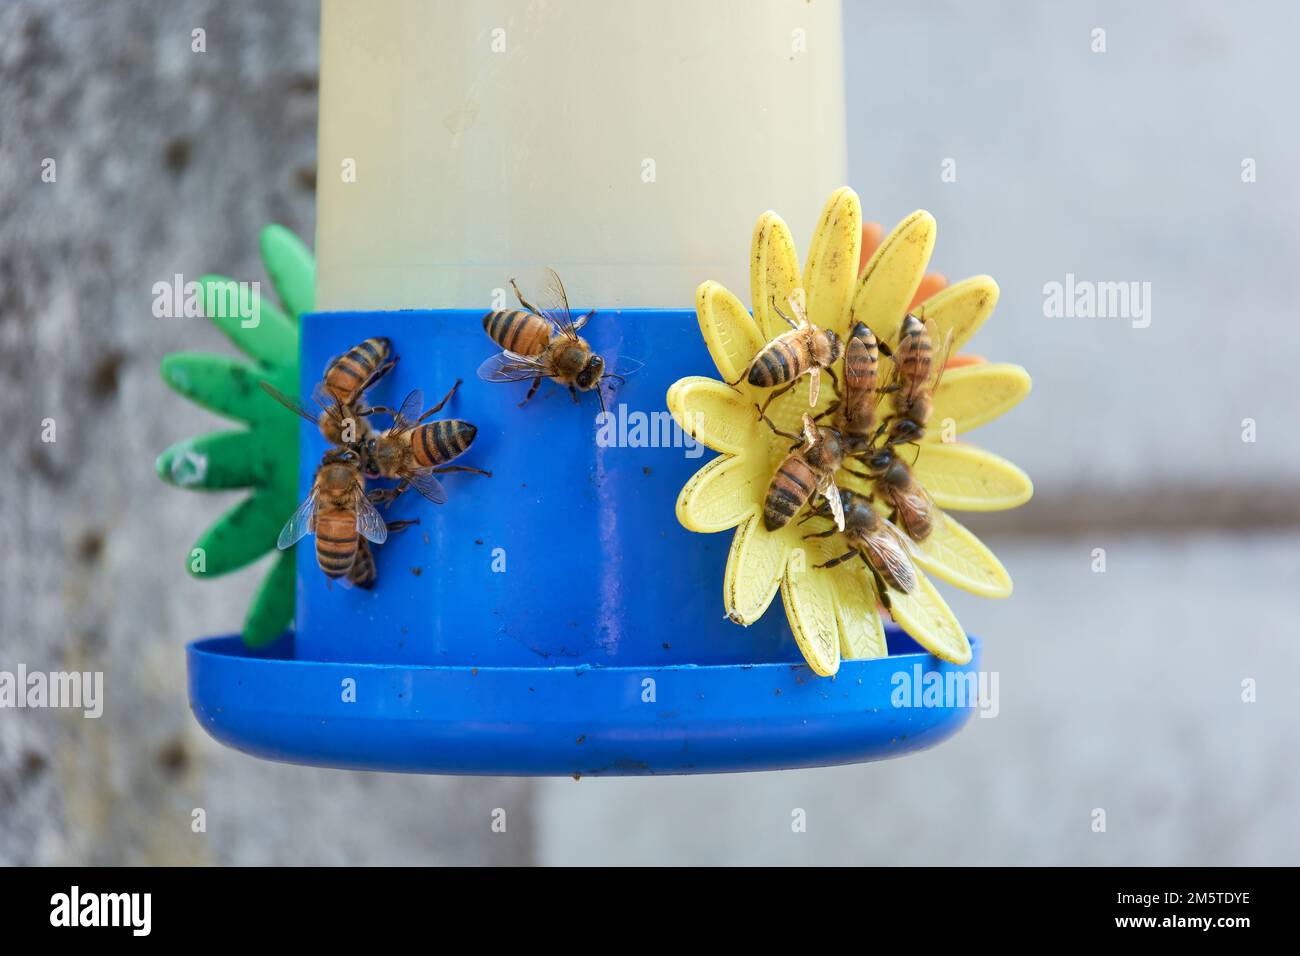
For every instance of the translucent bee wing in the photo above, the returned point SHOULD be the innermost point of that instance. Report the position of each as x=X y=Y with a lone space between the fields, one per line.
x=410 y=410
x=622 y=366
x=289 y=402
x=616 y=376
x=832 y=496
x=370 y=523
x=322 y=396
x=940 y=361
x=555 y=306
x=509 y=367
x=299 y=523
x=889 y=549
x=429 y=486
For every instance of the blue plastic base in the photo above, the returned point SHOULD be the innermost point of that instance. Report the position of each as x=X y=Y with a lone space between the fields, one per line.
x=588 y=721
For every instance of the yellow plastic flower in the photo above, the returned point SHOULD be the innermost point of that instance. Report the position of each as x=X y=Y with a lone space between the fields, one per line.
x=834 y=612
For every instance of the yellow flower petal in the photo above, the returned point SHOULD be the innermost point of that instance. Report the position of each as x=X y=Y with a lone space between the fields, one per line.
x=892 y=276
x=719 y=496
x=754 y=570
x=975 y=395
x=714 y=413
x=831 y=269
x=773 y=272
x=926 y=616
x=966 y=478
x=810 y=608
x=729 y=331
x=862 y=633
x=962 y=308
x=951 y=553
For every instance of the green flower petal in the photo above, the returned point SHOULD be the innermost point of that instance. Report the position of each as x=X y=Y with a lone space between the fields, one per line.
x=240 y=536
x=268 y=335
x=233 y=459
x=292 y=269
x=223 y=385
x=272 y=609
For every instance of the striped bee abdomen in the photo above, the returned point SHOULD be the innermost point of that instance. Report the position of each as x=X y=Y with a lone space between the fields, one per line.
x=347 y=375
x=791 y=487
x=336 y=542
x=363 y=573
x=861 y=360
x=439 y=442
x=782 y=360
x=518 y=331
x=913 y=353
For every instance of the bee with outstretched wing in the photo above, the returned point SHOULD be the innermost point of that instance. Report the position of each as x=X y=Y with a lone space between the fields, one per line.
x=338 y=512
x=540 y=343
x=414 y=449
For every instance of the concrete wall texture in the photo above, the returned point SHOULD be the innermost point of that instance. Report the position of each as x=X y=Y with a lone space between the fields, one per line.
x=1119 y=691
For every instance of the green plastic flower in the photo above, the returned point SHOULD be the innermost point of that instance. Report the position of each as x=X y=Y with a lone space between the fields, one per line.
x=263 y=455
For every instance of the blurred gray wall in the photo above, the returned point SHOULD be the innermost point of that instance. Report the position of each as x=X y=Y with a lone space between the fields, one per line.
x=167 y=161
x=1119 y=691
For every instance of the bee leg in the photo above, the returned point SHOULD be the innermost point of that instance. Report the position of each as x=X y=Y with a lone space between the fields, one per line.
x=837 y=561
x=834 y=380
x=830 y=409
x=885 y=350
x=522 y=301
x=795 y=438
x=537 y=383
x=378 y=374
x=743 y=375
x=574 y=392
x=397 y=526
x=774 y=393
x=445 y=399
x=386 y=496
x=777 y=309
x=882 y=589
x=822 y=534
x=446 y=468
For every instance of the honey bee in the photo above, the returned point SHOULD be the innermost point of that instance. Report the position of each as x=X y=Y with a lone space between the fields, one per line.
x=917 y=373
x=855 y=413
x=893 y=480
x=541 y=344
x=338 y=512
x=414 y=450
x=810 y=467
x=343 y=386
x=804 y=350
x=881 y=546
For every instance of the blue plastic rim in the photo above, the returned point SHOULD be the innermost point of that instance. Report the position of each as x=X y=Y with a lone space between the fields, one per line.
x=585 y=721
x=554 y=618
